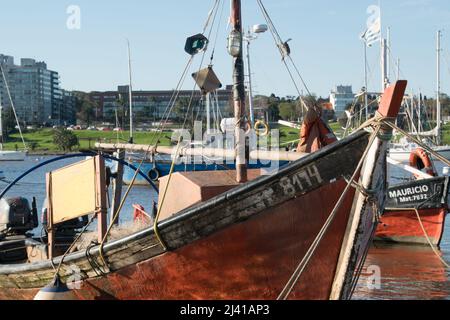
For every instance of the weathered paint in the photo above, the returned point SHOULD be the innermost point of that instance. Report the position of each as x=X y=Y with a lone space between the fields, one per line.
x=404 y=226
x=250 y=260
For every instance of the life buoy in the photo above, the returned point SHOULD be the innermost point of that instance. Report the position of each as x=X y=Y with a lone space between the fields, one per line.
x=259 y=125
x=154 y=174
x=420 y=160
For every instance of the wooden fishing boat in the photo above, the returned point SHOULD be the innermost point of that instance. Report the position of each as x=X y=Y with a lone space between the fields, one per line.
x=302 y=232
x=245 y=243
x=415 y=211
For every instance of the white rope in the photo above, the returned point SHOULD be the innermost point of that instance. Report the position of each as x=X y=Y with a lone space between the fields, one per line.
x=288 y=288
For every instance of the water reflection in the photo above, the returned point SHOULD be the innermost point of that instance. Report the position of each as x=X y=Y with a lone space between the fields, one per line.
x=407 y=273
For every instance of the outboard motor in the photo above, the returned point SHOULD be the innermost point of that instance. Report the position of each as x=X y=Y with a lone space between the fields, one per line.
x=17 y=217
x=67 y=228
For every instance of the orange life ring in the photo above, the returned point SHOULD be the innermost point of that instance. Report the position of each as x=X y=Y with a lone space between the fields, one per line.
x=327 y=135
x=420 y=159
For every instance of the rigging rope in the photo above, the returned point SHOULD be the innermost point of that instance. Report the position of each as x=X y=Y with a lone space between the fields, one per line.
x=419 y=219
x=282 y=47
x=161 y=127
x=289 y=287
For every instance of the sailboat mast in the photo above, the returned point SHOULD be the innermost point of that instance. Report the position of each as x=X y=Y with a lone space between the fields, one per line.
x=438 y=97
x=130 y=94
x=235 y=48
x=1 y=124
x=384 y=65
x=366 y=100
x=12 y=106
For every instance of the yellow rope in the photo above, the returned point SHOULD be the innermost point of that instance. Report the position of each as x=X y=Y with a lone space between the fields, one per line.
x=155 y=224
x=116 y=215
x=429 y=240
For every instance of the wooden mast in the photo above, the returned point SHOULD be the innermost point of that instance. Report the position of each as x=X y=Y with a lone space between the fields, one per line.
x=239 y=93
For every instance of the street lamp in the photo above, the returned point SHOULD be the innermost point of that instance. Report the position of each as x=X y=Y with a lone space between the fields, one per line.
x=249 y=37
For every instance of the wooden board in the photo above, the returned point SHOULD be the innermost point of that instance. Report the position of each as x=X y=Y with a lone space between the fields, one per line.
x=73 y=191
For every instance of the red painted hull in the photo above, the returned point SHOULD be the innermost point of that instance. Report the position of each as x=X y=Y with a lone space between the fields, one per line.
x=252 y=260
x=404 y=226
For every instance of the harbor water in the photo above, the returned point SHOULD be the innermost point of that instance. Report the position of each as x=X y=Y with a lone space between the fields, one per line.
x=390 y=272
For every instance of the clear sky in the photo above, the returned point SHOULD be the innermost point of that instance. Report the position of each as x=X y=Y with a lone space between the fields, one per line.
x=325 y=45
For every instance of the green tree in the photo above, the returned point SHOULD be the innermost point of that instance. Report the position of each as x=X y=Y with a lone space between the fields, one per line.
x=9 y=123
x=287 y=110
x=64 y=139
x=182 y=111
x=86 y=108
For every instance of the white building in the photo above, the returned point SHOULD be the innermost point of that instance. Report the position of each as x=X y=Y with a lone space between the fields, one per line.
x=341 y=98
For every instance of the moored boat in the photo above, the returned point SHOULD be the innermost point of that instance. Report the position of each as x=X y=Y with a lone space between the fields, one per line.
x=245 y=243
x=302 y=232
x=415 y=213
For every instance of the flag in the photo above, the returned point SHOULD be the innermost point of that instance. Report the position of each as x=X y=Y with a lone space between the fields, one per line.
x=373 y=33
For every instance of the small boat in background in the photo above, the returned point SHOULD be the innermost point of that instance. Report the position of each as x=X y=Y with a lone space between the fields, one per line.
x=415 y=212
x=12 y=155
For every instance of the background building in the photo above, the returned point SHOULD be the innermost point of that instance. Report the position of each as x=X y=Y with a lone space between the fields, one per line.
x=36 y=93
x=152 y=105
x=341 y=98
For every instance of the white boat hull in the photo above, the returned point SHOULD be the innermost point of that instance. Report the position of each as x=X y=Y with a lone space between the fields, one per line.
x=402 y=155
x=12 y=156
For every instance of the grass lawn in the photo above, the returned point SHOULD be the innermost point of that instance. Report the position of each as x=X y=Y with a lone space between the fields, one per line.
x=43 y=139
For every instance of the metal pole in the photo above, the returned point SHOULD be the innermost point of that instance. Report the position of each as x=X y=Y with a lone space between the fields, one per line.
x=208 y=113
x=250 y=88
x=130 y=93
x=1 y=126
x=420 y=112
x=366 y=102
x=239 y=95
x=388 y=51
x=384 y=77
x=438 y=98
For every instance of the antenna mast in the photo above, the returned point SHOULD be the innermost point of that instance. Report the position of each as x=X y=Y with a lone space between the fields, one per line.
x=130 y=94
x=438 y=98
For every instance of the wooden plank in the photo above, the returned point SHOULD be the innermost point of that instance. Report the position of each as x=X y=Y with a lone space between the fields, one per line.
x=100 y=198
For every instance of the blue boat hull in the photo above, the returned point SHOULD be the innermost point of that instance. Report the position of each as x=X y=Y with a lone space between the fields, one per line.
x=163 y=169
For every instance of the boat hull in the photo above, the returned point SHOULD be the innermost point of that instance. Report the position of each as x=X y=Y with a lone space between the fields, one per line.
x=400 y=224
x=164 y=167
x=12 y=156
x=402 y=155
x=243 y=244
x=404 y=227
x=249 y=261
